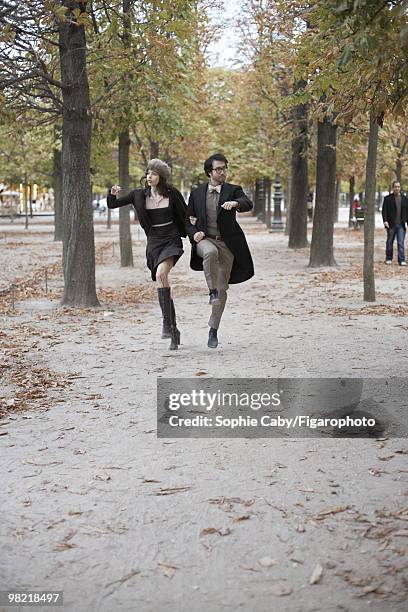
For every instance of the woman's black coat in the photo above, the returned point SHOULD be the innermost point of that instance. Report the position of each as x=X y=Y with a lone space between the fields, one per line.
x=138 y=199
x=231 y=232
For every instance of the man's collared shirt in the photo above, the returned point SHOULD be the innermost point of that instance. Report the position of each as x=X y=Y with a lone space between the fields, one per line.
x=213 y=195
x=398 y=212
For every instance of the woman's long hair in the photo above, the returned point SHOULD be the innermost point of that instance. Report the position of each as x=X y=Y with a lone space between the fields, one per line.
x=162 y=187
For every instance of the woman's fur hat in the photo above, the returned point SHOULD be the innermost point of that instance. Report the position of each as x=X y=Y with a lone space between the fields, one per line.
x=161 y=168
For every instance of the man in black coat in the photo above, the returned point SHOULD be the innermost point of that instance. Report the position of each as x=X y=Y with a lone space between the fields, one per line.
x=218 y=243
x=395 y=216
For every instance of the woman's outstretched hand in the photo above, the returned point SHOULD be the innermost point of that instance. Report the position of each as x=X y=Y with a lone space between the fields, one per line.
x=115 y=189
x=198 y=236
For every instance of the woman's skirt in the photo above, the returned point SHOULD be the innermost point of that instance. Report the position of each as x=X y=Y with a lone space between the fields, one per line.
x=162 y=243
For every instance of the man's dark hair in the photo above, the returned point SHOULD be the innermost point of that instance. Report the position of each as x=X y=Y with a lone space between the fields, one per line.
x=396 y=181
x=208 y=164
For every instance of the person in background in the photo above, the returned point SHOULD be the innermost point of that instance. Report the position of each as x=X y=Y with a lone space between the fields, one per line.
x=356 y=204
x=395 y=217
x=310 y=206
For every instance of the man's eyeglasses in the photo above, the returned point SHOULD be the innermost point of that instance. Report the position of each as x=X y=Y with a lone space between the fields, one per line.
x=220 y=169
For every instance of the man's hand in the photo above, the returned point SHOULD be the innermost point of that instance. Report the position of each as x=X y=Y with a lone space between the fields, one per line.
x=198 y=236
x=229 y=205
x=115 y=189
x=386 y=225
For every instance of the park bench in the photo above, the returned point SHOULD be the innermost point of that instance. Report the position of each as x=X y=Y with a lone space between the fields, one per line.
x=9 y=211
x=358 y=218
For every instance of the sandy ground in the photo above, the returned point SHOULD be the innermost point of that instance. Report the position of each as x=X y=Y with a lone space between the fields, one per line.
x=94 y=504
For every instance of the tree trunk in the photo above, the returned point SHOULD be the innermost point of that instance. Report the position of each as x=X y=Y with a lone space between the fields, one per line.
x=268 y=202
x=398 y=169
x=78 y=243
x=257 y=202
x=352 y=184
x=378 y=202
x=287 y=196
x=337 y=201
x=57 y=185
x=125 y=235
x=261 y=195
x=30 y=186
x=26 y=200
x=299 y=178
x=154 y=149
x=369 y=214
x=321 y=250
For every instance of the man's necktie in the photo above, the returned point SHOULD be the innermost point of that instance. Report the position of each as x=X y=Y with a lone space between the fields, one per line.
x=214 y=188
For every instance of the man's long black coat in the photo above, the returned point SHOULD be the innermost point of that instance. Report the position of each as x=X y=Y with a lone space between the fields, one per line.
x=389 y=209
x=231 y=232
x=137 y=198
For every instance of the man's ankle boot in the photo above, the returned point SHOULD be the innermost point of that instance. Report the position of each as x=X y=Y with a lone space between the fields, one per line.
x=164 y=295
x=212 y=338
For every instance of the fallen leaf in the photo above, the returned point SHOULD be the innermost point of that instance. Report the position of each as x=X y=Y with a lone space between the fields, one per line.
x=43 y=464
x=377 y=472
x=297 y=561
x=212 y=530
x=168 y=569
x=227 y=503
x=267 y=562
x=369 y=588
x=281 y=589
x=124 y=578
x=317 y=574
x=171 y=490
x=65 y=544
x=323 y=514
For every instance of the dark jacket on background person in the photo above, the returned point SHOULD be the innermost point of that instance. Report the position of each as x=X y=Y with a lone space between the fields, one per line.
x=231 y=232
x=389 y=209
x=138 y=200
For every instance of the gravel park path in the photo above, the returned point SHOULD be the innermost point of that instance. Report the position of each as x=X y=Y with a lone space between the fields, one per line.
x=95 y=504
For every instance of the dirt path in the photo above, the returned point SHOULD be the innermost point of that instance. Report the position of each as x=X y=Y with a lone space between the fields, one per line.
x=94 y=504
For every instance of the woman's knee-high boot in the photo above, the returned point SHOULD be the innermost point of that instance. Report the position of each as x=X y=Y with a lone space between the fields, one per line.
x=173 y=315
x=164 y=295
x=173 y=344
